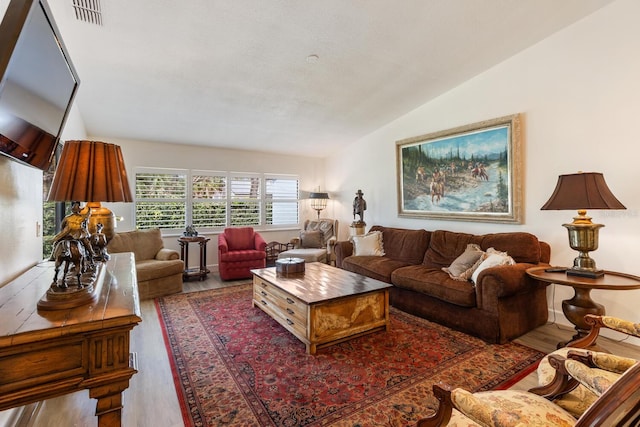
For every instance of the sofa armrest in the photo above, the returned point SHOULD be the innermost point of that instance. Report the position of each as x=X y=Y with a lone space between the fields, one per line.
x=223 y=246
x=165 y=254
x=259 y=243
x=502 y=281
x=342 y=249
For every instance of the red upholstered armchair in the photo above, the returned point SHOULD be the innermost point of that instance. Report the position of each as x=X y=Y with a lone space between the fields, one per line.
x=240 y=250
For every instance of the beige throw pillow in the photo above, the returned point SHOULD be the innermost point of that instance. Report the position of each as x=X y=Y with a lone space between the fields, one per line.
x=494 y=258
x=463 y=267
x=370 y=244
x=312 y=239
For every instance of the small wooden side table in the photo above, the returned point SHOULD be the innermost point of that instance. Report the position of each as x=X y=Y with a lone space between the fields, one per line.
x=581 y=304
x=202 y=271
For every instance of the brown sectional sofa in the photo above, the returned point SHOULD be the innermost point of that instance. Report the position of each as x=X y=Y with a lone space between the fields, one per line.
x=504 y=304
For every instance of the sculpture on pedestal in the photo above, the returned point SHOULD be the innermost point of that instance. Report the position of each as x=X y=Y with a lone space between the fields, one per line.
x=359 y=206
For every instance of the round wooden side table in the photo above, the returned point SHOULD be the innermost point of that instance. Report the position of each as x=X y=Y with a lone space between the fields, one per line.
x=202 y=271
x=581 y=304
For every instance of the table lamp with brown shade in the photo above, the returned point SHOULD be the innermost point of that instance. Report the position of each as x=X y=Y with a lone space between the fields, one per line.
x=582 y=191
x=93 y=172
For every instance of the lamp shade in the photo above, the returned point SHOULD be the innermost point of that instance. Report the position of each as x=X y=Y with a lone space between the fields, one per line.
x=582 y=191
x=318 y=195
x=90 y=171
x=318 y=201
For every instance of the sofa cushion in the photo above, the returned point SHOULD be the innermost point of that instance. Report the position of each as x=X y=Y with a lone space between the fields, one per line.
x=152 y=269
x=404 y=245
x=376 y=267
x=446 y=246
x=521 y=246
x=463 y=267
x=243 y=255
x=145 y=244
x=435 y=283
x=369 y=244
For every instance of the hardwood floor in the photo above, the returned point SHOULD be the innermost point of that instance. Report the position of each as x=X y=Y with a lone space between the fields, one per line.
x=151 y=401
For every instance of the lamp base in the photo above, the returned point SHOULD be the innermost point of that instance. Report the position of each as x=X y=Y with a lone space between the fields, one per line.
x=593 y=274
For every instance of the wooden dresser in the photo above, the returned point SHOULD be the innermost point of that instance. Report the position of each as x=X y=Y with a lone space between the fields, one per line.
x=44 y=354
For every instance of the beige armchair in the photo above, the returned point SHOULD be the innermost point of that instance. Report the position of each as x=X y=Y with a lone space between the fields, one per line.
x=316 y=241
x=158 y=269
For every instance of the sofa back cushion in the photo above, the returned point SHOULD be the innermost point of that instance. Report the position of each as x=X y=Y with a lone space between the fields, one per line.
x=404 y=245
x=446 y=246
x=239 y=238
x=522 y=247
x=145 y=244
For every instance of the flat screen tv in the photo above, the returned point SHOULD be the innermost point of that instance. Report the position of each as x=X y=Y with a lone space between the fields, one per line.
x=37 y=83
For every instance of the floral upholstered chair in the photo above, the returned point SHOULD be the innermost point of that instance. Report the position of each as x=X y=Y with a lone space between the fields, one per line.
x=578 y=400
x=315 y=242
x=617 y=404
x=579 y=388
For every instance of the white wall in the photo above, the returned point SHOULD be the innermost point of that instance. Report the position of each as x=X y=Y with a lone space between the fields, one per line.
x=150 y=154
x=21 y=197
x=579 y=93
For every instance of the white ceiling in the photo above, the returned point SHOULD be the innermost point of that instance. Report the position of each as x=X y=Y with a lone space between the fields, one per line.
x=234 y=73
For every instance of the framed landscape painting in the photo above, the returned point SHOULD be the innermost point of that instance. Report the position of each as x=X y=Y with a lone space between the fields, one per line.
x=469 y=173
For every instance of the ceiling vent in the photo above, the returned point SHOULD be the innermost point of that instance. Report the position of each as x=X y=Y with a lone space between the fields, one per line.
x=88 y=11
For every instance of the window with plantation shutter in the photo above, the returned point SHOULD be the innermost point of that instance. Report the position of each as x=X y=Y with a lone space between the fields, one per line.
x=281 y=200
x=161 y=199
x=210 y=200
x=244 y=200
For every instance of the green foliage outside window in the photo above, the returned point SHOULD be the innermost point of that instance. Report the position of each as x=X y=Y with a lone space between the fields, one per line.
x=48 y=228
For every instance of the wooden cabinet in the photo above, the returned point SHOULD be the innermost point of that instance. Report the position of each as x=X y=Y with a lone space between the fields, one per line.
x=44 y=354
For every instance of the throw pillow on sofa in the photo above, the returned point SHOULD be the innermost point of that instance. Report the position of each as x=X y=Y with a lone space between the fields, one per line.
x=463 y=267
x=494 y=258
x=370 y=244
x=312 y=239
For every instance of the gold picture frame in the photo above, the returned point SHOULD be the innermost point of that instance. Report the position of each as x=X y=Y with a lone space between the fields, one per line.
x=468 y=173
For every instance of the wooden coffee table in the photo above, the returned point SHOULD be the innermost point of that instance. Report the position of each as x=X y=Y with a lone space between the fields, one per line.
x=324 y=305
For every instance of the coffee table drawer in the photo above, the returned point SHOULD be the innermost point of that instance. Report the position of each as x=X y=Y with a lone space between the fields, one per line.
x=288 y=308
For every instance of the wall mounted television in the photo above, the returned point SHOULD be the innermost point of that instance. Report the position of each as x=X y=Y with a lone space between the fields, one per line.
x=37 y=83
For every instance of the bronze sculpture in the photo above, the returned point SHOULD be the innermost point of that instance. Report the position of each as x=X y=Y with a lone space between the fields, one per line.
x=359 y=206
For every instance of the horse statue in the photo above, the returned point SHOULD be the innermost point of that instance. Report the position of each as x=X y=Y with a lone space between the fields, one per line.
x=69 y=251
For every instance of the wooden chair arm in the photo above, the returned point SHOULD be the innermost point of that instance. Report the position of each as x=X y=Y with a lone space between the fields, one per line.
x=443 y=413
x=562 y=382
x=595 y=322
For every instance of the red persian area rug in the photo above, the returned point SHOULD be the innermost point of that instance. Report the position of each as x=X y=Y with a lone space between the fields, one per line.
x=234 y=365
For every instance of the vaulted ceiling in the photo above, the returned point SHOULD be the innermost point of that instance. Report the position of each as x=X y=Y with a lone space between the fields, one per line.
x=288 y=76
